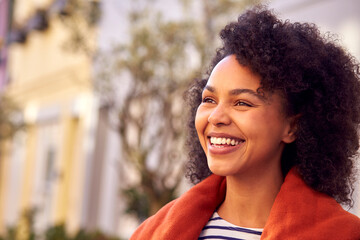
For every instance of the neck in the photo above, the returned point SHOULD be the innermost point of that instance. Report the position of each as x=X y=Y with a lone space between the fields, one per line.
x=249 y=198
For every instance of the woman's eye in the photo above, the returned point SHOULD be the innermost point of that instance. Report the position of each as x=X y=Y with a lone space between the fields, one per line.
x=242 y=103
x=208 y=100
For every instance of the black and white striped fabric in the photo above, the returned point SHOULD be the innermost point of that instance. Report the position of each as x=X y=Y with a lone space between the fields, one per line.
x=218 y=228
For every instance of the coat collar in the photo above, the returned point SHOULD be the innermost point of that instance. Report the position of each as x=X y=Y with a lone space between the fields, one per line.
x=298 y=213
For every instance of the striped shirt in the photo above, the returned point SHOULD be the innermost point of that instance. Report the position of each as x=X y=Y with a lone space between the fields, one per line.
x=218 y=228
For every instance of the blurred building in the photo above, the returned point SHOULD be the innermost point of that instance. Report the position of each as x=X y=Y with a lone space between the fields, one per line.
x=45 y=167
x=5 y=22
x=65 y=164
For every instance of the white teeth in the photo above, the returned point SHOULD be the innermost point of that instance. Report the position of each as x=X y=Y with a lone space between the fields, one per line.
x=222 y=141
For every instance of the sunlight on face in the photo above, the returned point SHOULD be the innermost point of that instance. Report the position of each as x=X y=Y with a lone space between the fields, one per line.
x=238 y=128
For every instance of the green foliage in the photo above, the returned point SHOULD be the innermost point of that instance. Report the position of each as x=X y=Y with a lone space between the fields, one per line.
x=10 y=121
x=58 y=232
x=80 y=18
x=137 y=203
x=10 y=234
x=24 y=230
x=89 y=10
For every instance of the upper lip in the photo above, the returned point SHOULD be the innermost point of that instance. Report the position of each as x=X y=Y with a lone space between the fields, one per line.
x=223 y=135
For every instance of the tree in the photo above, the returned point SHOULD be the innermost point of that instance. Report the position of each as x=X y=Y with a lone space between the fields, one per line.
x=80 y=18
x=151 y=111
x=157 y=64
x=10 y=121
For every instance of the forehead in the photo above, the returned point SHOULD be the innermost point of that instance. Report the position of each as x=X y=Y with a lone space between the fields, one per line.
x=228 y=73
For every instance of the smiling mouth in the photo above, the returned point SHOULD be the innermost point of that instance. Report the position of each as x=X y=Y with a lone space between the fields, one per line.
x=224 y=142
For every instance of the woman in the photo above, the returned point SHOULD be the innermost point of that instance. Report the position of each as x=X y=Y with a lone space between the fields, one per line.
x=276 y=122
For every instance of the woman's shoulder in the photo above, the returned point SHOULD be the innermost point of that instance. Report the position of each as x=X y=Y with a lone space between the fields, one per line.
x=298 y=208
x=184 y=217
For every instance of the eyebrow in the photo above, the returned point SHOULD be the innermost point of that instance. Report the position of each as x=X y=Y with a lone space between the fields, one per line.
x=239 y=91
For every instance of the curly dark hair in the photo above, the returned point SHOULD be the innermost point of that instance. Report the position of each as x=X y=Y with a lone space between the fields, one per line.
x=319 y=82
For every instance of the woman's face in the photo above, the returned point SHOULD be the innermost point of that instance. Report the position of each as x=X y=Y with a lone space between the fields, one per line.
x=239 y=129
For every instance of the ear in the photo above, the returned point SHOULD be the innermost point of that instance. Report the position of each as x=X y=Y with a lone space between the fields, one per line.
x=291 y=129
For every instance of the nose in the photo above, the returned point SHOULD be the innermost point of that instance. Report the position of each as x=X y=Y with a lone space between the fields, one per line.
x=219 y=116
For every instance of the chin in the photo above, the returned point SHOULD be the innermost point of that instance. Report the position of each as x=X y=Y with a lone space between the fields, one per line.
x=221 y=171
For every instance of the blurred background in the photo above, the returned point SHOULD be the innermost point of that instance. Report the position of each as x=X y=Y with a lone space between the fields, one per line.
x=92 y=115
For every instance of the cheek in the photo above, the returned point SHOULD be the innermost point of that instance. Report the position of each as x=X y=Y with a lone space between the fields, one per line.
x=200 y=124
x=252 y=123
x=267 y=125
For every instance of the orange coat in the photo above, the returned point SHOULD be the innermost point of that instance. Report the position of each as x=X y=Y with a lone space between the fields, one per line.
x=298 y=212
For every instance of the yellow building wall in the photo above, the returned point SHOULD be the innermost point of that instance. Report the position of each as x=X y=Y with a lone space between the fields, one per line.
x=42 y=75
x=67 y=165
x=4 y=175
x=29 y=167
